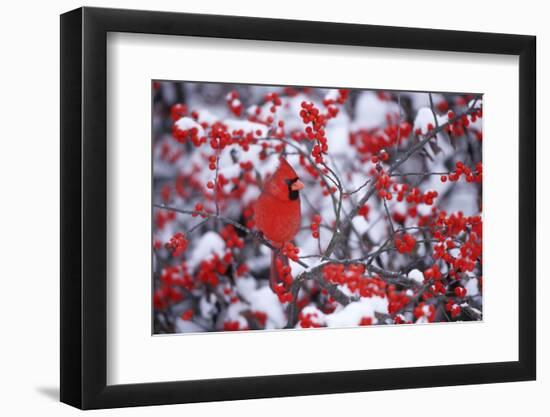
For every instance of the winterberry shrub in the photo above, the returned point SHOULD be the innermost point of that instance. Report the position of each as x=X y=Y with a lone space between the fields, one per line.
x=390 y=226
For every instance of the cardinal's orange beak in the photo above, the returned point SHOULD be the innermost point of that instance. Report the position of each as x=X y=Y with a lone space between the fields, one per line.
x=297 y=185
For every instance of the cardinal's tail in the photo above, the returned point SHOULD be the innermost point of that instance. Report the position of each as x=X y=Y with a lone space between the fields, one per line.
x=279 y=272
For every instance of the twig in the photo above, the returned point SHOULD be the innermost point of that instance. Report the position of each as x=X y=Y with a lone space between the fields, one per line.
x=216 y=184
x=340 y=196
x=433 y=111
x=390 y=220
x=292 y=309
x=195 y=227
x=406 y=174
x=360 y=188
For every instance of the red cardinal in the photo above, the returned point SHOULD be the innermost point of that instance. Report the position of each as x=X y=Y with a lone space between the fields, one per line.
x=277 y=211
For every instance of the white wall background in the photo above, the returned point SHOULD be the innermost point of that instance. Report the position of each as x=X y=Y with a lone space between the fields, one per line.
x=29 y=213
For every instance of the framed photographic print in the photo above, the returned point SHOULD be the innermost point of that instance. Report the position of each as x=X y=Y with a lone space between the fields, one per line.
x=257 y=208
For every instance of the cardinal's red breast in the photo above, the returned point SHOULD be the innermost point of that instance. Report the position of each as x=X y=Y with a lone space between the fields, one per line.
x=277 y=210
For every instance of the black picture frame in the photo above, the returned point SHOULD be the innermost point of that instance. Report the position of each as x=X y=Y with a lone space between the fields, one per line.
x=84 y=207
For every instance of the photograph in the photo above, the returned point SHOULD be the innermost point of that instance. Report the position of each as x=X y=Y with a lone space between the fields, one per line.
x=266 y=209
x=295 y=207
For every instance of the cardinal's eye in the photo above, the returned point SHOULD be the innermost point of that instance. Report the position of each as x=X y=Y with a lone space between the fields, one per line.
x=292 y=194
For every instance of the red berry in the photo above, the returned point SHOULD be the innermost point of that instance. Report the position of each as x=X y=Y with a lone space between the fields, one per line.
x=365 y=321
x=460 y=291
x=187 y=315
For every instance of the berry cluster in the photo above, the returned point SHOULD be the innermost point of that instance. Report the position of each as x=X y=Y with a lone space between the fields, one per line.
x=365 y=321
x=405 y=243
x=369 y=143
x=315 y=122
x=433 y=272
x=383 y=182
x=165 y=296
x=435 y=289
x=177 y=111
x=463 y=258
x=453 y=308
x=169 y=154
x=199 y=210
x=364 y=211
x=281 y=290
x=315 y=222
x=261 y=317
x=231 y=238
x=172 y=279
x=424 y=311
x=342 y=96
x=177 y=244
x=163 y=217
x=187 y=315
x=284 y=272
x=381 y=156
x=309 y=320
x=457 y=125
x=232 y=326
x=460 y=292
x=275 y=101
x=469 y=174
x=234 y=104
x=182 y=134
x=353 y=276
x=397 y=300
x=290 y=251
